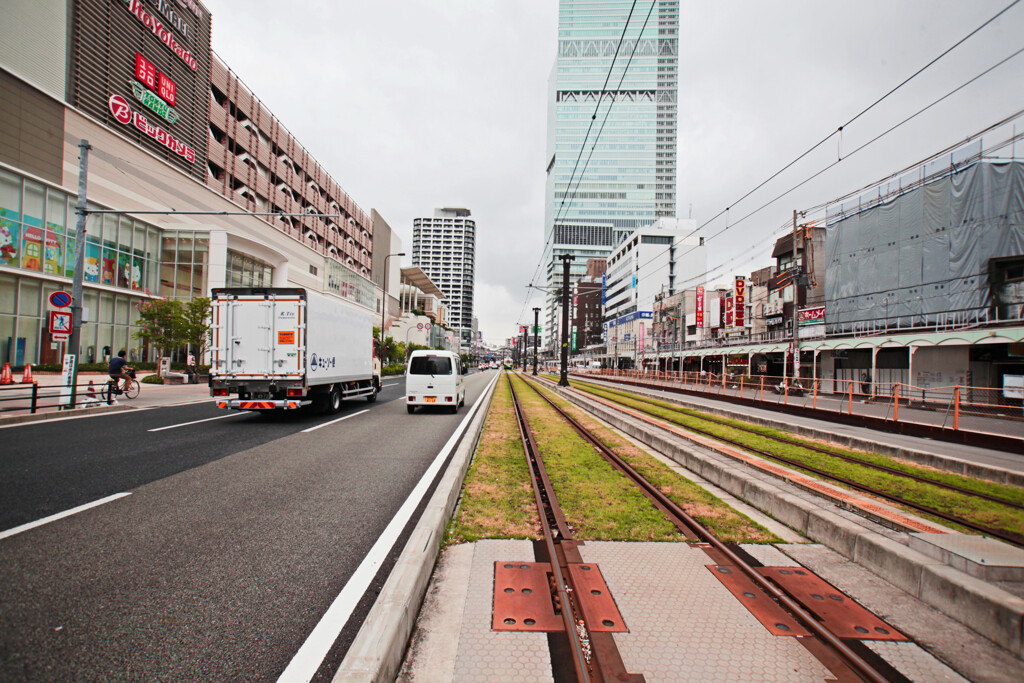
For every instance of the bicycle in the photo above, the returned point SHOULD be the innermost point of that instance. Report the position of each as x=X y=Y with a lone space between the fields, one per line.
x=131 y=389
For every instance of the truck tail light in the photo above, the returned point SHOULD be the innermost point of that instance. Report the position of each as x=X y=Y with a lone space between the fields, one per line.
x=448 y=399
x=220 y=391
x=296 y=391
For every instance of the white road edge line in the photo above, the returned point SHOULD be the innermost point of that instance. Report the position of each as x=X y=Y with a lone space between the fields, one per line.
x=194 y=422
x=325 y=424
x=307 y=660
x=61 y=515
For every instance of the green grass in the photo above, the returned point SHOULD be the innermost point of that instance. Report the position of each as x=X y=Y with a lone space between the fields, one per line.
x=497 y=499
x=969 y=507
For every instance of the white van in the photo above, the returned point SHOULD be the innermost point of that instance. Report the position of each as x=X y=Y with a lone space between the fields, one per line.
x=434 y=378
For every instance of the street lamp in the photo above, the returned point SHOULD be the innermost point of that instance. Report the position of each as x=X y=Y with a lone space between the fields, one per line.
x=384 y=303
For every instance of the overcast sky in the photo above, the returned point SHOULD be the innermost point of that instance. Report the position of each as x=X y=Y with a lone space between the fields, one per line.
x=417 y=104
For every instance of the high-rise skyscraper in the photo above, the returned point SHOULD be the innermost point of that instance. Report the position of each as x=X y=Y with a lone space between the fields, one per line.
x=444 y=247
x=625 y=177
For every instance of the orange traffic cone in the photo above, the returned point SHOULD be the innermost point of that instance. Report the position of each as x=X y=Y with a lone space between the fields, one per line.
x=26 y=377
x=5 y=376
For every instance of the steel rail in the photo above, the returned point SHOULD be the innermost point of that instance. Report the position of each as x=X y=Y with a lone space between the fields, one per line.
x=580 y=660
x=856 y=663
x=1007 y=536
x=818 y=449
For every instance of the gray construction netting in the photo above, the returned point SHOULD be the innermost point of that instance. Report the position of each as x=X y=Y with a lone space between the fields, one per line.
x=923 y=256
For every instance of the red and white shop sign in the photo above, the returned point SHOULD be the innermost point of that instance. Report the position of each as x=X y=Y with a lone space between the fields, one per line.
x=123 y=112
x=700 y=307
x=157 y=81
x=150 y=21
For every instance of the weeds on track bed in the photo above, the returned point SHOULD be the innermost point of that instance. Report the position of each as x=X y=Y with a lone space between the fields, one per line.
x=497 y=499
x=602 y=504
x=968 y=507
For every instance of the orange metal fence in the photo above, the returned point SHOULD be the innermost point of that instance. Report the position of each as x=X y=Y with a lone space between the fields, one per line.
x=954 y=407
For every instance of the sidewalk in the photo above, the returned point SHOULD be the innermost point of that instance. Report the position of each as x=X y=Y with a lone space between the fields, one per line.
x=151 y=395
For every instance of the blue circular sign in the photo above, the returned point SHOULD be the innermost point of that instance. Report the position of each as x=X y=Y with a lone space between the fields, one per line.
x=60 y=299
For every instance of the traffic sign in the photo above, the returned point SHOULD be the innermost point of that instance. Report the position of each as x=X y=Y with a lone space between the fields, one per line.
x=60 y=299
x=419 y=326
x=60 y=325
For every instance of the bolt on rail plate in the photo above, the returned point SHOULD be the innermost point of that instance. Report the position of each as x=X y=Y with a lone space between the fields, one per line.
x=763 y=608
x=523 y=599
x=840 y=614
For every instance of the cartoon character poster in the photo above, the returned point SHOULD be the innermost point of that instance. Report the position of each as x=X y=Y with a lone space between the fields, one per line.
x=124 y=269
x=32 y=249
x=109 y=266
x=9 y=233
x=53 y=249
x=135 y=275
x=92 y=262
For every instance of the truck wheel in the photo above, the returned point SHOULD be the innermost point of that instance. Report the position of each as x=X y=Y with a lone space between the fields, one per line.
x=410 y=409
x=333 y=401
x=376 y=390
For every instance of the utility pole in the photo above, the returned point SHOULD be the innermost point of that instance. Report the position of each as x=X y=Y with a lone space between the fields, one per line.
x=536 y=334
x=76 y=284
x=796 y=297
x=566 y=259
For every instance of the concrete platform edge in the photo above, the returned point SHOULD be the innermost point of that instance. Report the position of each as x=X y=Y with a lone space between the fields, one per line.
x=985 y=609
x=377 y=651
x=56 y=414
x=940 y=462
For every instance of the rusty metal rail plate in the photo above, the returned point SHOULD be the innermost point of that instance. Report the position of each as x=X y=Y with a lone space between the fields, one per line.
x=522 y=598
x=777 y=620
x=599 y=608
x=841 y=615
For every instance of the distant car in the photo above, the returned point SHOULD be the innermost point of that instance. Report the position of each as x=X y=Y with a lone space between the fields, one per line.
x=434 y=378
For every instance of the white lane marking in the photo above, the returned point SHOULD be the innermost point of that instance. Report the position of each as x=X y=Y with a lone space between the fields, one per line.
x=194 y=422
x=390 y=384
x=313 y=429
x=61 y=515
x=307 y=660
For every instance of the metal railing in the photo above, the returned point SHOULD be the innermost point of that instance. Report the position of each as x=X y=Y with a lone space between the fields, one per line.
x=32 y=398
x=956 y=407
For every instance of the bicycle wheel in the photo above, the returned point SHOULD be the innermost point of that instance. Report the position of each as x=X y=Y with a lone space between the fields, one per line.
x=132 y=390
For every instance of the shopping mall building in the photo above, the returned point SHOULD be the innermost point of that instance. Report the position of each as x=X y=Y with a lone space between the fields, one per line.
x=182 y=159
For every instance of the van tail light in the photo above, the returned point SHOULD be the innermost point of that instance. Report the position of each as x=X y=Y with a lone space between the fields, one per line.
x=220 y=391
x=448 y=399
x=295 y=391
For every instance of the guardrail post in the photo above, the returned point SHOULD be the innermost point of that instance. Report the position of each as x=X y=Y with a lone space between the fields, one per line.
x=814 y=401
x=741 y=384
x=956 y=408
x=896 y=406
x=35 y=396
x=850 y=411
x=785 y=393
x=762 y=389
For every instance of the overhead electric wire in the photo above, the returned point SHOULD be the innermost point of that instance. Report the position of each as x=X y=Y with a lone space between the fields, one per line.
x=841 y=159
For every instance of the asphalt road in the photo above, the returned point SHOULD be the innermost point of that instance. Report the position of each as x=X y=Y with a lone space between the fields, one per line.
x=238 y=534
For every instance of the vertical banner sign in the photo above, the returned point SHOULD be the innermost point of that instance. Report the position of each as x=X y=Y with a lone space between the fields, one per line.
x=728 y=311
x=641 y=342
x=67 y=378
x=604 y=289
x=700 y=307
x=741 y=302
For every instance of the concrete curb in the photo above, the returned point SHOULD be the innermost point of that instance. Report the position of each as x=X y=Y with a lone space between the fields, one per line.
x=938 y=461
x=986 y=609
x=56 y=414
x=377 y=651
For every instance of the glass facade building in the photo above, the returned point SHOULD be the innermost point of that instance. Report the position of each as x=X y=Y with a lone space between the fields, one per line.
x=627 y=180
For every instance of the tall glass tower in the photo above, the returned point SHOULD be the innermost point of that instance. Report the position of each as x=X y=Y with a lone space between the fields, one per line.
x=626 y=180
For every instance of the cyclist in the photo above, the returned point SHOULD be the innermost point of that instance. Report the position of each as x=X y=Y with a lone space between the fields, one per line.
x=117 y=370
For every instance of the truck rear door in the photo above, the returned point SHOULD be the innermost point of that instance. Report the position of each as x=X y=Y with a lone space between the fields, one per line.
x=263 y=336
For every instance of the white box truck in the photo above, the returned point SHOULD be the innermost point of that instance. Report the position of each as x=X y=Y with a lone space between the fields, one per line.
x=285 y=348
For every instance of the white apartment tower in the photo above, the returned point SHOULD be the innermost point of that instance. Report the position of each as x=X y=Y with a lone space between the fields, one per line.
x=444 y=247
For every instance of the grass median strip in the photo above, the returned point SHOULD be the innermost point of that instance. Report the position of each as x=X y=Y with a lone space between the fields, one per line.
x=729 y=525
x=972 y=508
x=497 y=499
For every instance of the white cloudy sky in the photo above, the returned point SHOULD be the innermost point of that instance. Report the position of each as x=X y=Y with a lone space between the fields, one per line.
x=417 y=104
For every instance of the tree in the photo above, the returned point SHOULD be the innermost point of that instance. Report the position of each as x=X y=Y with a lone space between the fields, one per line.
x=195 y=325
x=159 y=324
x=171 y=323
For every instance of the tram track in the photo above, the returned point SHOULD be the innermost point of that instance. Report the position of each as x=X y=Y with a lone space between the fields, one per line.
x=842 y=659
x=691 y=416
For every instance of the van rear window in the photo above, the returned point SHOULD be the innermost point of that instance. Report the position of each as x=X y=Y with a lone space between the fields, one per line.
x=430 y=365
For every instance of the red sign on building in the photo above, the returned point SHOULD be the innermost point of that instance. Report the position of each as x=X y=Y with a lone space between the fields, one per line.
x=728 y=311
x=166 y=89
x=700 y=307
x=145 y=71
x=741 y=301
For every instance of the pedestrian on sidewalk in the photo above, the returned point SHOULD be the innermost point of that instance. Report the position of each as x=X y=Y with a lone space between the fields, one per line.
x=193 y=375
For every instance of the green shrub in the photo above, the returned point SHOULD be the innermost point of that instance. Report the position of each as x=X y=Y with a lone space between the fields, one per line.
x=152 y=379
x=394 y=369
